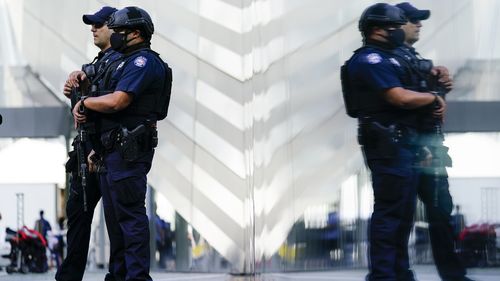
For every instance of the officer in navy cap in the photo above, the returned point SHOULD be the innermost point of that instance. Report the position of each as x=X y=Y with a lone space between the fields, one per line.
x=100 y=17
x=136 y=93
x=433 y=188
x=79 y=218
x=377 y=92
x=413 y=13
x=101 y=36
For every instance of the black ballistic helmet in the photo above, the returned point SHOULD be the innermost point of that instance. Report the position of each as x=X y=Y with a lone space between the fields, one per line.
x=380 y=14
x=132 y=18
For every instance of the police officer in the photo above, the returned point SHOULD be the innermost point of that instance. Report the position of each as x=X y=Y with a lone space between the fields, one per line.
x=433 y=188
x=139 y=90
x=375 y=88
x=79 y=219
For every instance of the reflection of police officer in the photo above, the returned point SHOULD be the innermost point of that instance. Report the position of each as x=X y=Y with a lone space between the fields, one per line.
x=80 y=221
x=135 y=94
x=433 y=188
x=375 y=87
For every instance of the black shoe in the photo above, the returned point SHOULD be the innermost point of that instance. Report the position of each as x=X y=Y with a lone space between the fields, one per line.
x=109 y=277
x=465 y=278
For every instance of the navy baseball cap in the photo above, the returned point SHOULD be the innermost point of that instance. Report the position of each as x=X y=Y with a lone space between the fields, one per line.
x=413 y=13
x=100 y=16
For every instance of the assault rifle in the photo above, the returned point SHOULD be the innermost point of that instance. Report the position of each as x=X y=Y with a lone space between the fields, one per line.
x=434 y=141
x=80 y=141
x=77 y=94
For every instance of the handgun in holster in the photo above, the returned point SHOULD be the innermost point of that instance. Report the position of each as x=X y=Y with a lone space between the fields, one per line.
x=129 y=143
x=384 y=139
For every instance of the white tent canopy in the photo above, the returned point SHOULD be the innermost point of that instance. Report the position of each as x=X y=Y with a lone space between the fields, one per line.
x=33 y=161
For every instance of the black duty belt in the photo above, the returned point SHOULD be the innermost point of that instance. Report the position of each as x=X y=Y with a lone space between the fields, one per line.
x=131 y=143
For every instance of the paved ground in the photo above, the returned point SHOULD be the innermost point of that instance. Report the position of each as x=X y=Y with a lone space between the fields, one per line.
x=424 y=273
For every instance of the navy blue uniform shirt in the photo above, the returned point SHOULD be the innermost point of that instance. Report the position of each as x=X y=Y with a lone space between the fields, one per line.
x=372 y=71
x=139 y=74
x=375 y=71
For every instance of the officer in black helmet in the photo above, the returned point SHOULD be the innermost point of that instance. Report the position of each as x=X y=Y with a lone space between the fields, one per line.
x=376 y=92
x=135 y=92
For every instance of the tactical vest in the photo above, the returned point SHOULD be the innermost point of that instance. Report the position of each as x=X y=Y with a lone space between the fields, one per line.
x=145 y=108
x=416 y=67
x=102 y=64
x=421 y=80
x=363 y=102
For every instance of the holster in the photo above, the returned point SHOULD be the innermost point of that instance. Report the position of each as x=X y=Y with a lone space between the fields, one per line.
x=384 y=141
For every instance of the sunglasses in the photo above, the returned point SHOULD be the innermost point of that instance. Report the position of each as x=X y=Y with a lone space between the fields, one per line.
x=414 y=21
x=98 y=25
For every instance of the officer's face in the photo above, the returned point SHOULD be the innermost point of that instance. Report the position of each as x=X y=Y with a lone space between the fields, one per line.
x=130 y=35
x=412 y=31
x=381 y=33
x=101 y=34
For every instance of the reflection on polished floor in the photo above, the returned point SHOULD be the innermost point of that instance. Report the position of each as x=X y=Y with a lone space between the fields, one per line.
x=424 y=273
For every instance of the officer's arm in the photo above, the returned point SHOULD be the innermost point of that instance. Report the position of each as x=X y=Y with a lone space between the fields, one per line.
x=109 y=103
x=408 y=99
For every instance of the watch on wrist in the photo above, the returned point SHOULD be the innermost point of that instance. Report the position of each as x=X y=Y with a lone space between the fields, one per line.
x=82 y=104
x=436 y=95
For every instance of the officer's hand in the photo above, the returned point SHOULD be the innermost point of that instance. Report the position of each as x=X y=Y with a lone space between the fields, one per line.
x=76 y=77
x=92 y=164
x=78 y=116
x=444 y=76
x=426 y=157
x=67 y=90
x=441 y=109
x=73 y=81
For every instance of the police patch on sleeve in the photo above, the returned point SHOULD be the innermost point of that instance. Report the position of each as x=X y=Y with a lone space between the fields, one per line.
x=140 y=61
x=373 y=58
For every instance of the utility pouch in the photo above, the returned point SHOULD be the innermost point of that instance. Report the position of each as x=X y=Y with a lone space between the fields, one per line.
x=154 y=139
x=365 y=136
x=71 y=164
x=441 y=152
x=108 y=140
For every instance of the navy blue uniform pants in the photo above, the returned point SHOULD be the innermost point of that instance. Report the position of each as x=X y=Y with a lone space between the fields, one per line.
x=79 y=221
x=394 y=183
x=434 y=193
x=79 y=227
x=123 y=189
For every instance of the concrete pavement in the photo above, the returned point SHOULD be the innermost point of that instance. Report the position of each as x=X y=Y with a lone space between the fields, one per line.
x=424 y=273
